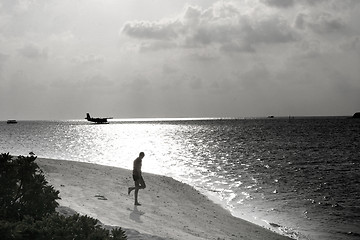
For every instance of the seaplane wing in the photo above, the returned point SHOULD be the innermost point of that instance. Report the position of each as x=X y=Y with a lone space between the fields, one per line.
x=96 y=120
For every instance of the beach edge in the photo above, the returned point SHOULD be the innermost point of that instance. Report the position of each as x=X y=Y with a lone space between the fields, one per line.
x=170 y=210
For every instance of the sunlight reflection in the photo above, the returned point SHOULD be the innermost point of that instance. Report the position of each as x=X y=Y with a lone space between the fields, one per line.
x=120 y=144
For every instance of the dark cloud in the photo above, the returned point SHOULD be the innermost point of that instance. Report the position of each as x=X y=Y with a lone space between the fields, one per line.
x=300 y=21
x=232 y=47
x=32 y=51
x=271 y=30
x=352 y=45
x=321 y=23
x=280 y=3
x=326 y=23
x=202 y=56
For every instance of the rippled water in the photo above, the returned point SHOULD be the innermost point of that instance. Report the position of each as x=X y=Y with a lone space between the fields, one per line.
x=301 y=176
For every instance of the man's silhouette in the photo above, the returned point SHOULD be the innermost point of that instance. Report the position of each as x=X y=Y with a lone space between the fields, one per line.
x=137 y=176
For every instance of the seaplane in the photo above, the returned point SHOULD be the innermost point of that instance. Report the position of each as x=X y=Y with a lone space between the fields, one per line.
x=97 y=120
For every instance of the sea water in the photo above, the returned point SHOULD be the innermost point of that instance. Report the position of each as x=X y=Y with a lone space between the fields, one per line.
x=299 y=176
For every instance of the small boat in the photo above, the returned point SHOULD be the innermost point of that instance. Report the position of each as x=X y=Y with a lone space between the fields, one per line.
x=11 y=121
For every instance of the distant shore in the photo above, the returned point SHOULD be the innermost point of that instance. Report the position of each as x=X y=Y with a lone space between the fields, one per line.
x=170 y=209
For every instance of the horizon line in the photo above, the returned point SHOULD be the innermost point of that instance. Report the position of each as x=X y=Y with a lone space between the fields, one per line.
x=139 y=119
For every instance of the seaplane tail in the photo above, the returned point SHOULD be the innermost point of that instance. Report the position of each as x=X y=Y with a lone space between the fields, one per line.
x=96 y=120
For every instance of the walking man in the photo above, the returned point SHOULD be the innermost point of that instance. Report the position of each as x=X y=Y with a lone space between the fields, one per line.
x=137 y=176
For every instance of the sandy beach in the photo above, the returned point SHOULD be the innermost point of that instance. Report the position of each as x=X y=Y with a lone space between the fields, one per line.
x=170 y=209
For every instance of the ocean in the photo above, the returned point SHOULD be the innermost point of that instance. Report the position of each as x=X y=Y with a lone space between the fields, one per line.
x=297 y=176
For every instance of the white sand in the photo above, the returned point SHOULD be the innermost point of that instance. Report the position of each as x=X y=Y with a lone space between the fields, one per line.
x=170 y=209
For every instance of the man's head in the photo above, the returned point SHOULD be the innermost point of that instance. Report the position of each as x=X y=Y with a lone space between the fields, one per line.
x=141 y=154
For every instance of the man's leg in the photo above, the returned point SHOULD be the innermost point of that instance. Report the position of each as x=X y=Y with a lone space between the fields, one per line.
x=137 y=187
x=130 y=190
x=133 y=188
x=142 y=184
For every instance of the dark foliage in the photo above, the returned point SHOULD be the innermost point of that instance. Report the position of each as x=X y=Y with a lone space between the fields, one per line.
x=28 y=204
x=58 y=227
x=24 y=190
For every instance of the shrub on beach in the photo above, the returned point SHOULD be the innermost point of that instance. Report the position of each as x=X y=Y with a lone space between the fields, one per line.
x=59 y=227
x=28 y=207
x=24 y=190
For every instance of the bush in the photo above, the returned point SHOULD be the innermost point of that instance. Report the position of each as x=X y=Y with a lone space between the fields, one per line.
x=58 y=227
x=28 y=207
x=24 y=190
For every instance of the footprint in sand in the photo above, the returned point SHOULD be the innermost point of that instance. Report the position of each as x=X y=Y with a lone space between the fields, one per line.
x=100 y=197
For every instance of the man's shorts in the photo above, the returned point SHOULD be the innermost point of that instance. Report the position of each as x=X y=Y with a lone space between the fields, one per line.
x=136 y=178
x=140 y=181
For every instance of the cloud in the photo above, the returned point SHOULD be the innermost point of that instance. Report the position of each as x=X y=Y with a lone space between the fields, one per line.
x=169 y=69
x=307 y=3
x=139 y=84
x=93 y=83
x=257 y=77
x=279 y=3
x=3 y=59
x=97 y=81
x=321 y=23
x=88 y=59
x=151 y=30
x=156 y=45
x=352 y=45
x=243 y=56
x=195 y=83
x=65 y=37
x=32 y=51
x=271 y=30
x=203 y=55
x=11 y=5
x=232 y=47
x=223 y=26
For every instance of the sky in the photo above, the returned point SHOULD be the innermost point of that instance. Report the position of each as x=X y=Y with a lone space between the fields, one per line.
x=161 y=58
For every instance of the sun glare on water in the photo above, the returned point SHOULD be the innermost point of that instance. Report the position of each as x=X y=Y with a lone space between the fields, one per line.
x=119 y=144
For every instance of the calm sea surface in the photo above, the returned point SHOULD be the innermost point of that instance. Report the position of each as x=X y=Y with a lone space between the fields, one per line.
x=300 y=176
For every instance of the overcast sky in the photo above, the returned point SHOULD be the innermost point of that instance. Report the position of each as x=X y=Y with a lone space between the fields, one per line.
x=138 y=58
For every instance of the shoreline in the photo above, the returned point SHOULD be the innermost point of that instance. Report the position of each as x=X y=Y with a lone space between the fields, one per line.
x=170 y=209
